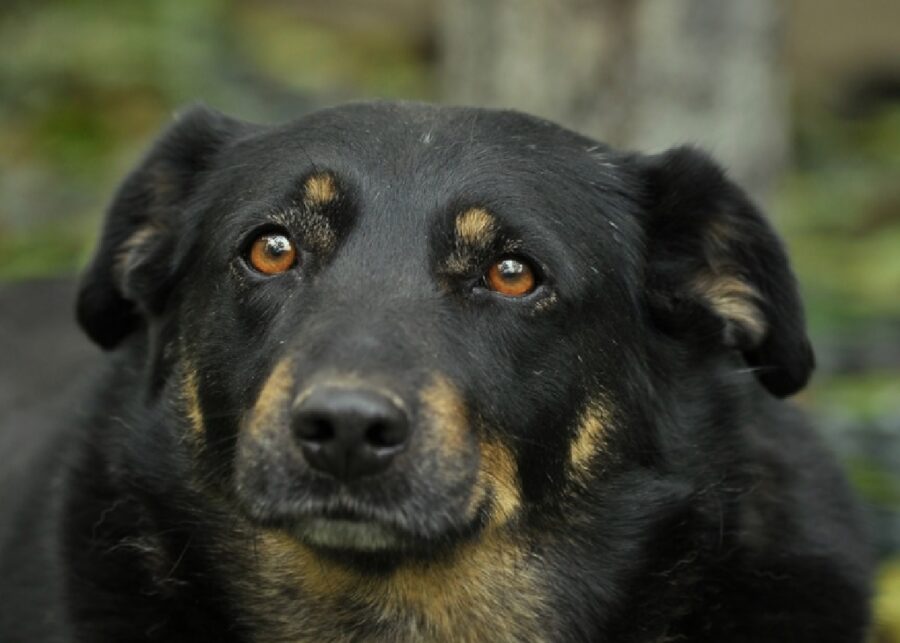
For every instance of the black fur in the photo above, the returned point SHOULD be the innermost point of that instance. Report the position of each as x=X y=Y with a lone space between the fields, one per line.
x=696 y=506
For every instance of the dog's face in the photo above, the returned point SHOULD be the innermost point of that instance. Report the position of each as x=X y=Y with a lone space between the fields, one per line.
x=389 y=328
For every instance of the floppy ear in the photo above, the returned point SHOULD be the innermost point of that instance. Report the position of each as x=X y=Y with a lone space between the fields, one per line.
x=717 y=270
x=133 y=267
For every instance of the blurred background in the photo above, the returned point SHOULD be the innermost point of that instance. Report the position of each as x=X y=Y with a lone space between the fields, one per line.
x=799 y=98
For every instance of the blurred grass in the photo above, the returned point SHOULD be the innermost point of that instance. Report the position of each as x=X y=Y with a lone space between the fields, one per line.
x=868 y=395
x=91 y=81
x=376 y=61
x=51 y=250
x=887 y=604
x=840 y=211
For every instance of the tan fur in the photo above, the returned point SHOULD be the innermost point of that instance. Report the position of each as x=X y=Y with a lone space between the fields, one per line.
x=318 y=233
x=476 y=227
x=498 y=475
x=319 y=190
x=191 y=394
x=730 y=296
x=487 y=590
x=590 y=436
x=448 y=413
x=271 y=400
x=132 y=244
x=475 y=230
x=735 y=300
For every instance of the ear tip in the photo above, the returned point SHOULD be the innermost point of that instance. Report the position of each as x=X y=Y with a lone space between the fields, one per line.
x=791 y=376
x=104 y=316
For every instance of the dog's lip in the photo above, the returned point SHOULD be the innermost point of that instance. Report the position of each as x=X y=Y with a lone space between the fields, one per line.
x=350 y=532
x=345 y=529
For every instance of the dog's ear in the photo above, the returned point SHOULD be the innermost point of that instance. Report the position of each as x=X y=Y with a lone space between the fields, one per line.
x=133 y=267
x=716 y=271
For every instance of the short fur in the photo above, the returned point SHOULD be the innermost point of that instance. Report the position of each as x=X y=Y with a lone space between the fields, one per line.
x=603 y=459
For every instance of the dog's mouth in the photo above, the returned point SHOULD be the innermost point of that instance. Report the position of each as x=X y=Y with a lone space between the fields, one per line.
x=348 y=533
x=361 y=530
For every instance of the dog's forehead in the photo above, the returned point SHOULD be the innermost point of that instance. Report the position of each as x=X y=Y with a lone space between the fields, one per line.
x=389 y=150
x=414 y=127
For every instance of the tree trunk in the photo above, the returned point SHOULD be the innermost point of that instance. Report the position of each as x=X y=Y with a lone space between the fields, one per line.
x=646 y=74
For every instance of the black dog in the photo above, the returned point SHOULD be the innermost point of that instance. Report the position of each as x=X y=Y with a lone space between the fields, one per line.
x=401 y=372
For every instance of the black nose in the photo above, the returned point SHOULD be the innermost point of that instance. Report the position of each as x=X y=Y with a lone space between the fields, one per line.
x=349 y=432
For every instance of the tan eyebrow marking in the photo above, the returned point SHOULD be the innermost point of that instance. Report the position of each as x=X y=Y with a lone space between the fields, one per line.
x=476 y=227
x=319 y=189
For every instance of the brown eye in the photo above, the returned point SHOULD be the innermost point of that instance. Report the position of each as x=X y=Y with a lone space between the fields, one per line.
x=272 y=254
x=511 y=277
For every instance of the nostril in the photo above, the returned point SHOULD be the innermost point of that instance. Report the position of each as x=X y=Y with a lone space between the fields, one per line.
x=315 y=428
x=349 y=432
x=385 y=435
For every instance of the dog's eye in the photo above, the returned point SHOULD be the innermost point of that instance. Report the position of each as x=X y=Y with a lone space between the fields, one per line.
x=272 y=254
x=511 y=277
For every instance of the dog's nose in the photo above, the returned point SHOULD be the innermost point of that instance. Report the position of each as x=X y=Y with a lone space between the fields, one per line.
x=349 y=433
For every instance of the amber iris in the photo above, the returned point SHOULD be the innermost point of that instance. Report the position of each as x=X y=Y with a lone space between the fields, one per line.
x=272 y=254
x=511 y=277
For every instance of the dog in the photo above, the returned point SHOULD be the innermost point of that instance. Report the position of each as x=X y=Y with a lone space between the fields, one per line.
x=400 y=372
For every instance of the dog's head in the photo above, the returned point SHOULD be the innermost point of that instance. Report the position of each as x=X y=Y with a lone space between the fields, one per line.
x=388 y=328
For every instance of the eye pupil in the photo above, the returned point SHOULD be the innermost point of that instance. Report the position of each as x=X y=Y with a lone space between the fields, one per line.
x=277 y=245
x=510 y=268
x=511 y=277
x=272 y=254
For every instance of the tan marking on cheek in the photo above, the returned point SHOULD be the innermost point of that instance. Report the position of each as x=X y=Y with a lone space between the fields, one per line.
x=191 y=393
x=735 y=300
x=319 y=190
x=590 y=436
x=447 y=410
x=476 y=227
x=498 y=475
x=450 y=436
x=273 y=398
